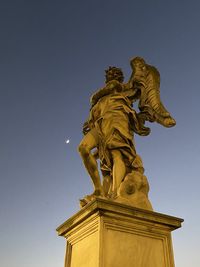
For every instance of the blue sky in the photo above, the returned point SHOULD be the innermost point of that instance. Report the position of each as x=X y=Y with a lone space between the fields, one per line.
x=53 y=56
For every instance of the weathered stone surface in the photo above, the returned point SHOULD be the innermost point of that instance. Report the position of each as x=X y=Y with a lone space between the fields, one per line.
x=110 y=234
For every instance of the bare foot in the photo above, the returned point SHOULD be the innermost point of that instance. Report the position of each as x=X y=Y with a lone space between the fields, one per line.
x=98 y=193
x=113 y=195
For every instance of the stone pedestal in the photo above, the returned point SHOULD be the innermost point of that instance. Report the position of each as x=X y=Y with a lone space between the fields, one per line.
x=109 y=234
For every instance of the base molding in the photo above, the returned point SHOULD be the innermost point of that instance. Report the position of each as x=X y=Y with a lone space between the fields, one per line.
x=109 y=234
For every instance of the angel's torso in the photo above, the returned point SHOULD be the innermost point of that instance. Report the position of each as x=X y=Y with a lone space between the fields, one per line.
x=113 y=103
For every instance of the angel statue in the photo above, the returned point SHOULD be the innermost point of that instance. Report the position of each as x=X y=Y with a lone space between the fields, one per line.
x=109 y=133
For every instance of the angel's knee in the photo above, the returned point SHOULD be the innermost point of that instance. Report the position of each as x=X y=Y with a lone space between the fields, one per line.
x=83 y=149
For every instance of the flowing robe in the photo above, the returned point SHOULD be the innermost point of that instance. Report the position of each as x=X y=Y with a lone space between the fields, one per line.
x=115 y=122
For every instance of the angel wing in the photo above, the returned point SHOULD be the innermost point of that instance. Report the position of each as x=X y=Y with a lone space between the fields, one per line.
x=146 y=79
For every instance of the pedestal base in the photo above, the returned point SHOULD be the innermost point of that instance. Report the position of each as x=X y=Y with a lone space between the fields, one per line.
x=109 y=234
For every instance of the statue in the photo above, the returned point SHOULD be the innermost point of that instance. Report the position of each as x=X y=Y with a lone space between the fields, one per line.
x=109 y=133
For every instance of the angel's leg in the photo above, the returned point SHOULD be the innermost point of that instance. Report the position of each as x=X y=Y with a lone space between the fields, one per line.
x=119 y=170
x=107 y=182
x=90 y=141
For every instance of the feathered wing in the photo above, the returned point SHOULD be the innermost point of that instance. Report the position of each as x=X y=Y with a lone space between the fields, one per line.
x=147 y=79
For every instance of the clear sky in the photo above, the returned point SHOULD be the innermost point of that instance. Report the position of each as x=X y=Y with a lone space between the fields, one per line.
x=52 y=58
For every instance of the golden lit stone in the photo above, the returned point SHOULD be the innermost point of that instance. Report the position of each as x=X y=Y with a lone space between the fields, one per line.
x=109 y=234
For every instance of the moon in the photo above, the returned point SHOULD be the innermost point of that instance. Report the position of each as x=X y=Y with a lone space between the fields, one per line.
x=67 y=141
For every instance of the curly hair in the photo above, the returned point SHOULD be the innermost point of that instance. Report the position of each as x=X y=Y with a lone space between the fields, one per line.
x=114 y=73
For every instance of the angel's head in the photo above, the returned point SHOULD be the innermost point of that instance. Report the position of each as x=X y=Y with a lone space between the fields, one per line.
x=113 y=73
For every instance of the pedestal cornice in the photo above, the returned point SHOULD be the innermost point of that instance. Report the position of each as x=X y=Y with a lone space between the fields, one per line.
x=109 y=208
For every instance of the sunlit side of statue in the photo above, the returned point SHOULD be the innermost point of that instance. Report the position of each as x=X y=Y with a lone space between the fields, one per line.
x=109 y=131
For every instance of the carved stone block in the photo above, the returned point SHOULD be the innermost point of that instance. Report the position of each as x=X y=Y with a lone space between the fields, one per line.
x=110 y=234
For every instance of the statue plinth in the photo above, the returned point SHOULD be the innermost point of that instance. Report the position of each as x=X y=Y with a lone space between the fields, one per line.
x=109 y=234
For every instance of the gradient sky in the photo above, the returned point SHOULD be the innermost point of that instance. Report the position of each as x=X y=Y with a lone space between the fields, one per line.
x=52 y=57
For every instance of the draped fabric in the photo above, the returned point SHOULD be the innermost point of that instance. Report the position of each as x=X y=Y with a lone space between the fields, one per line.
x=115 y=122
